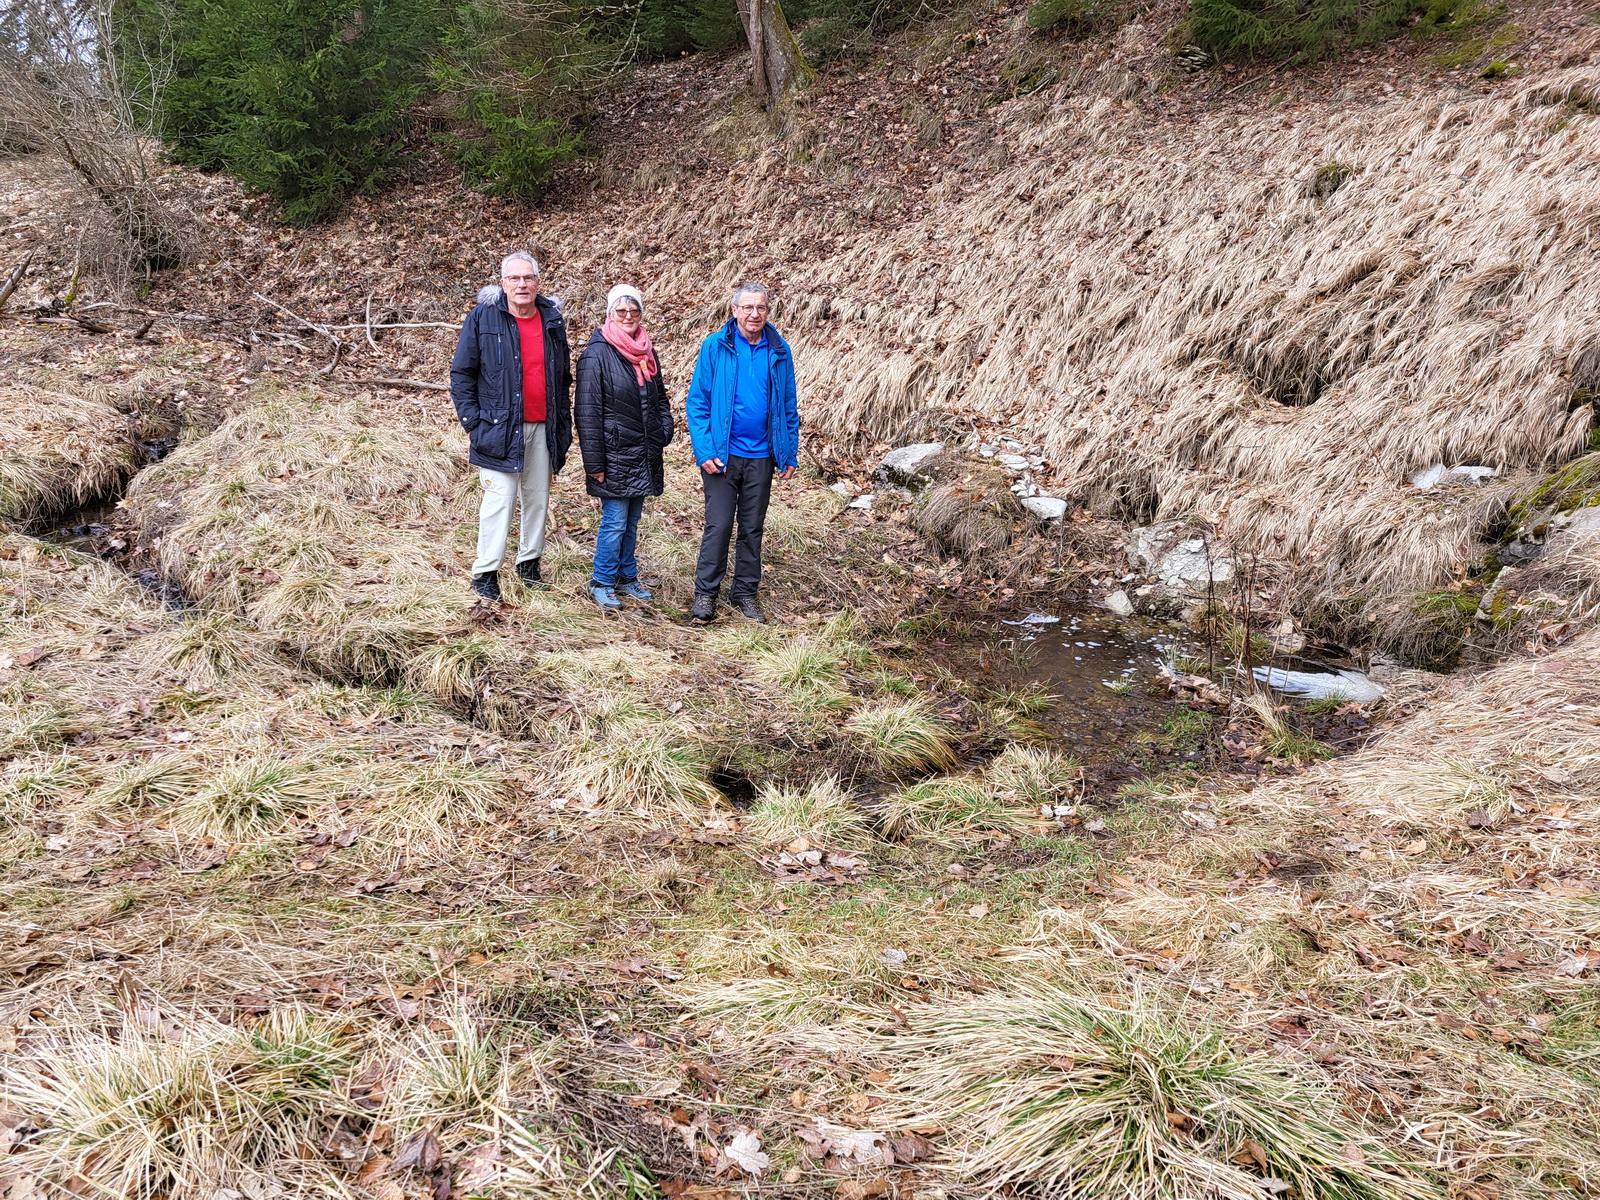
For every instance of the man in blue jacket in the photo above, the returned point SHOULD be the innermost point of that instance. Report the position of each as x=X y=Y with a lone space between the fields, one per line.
x=744 y=422
x=511 y=380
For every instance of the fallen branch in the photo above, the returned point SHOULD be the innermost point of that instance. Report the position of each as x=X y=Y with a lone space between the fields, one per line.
x=404 y=383
x=397 y=325
x=14 y=278
x=301 y=321
x=371 y=341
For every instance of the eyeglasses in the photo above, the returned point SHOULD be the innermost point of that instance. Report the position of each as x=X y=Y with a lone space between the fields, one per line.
x=629 y=311
x=520 y=278
x=750 y=308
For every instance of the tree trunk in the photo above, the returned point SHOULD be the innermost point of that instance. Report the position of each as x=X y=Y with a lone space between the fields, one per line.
x=775 y=58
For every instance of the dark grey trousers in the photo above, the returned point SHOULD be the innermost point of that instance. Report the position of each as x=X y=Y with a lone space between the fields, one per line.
x=739 y=495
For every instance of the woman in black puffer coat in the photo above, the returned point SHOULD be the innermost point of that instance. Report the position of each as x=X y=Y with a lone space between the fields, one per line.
x=623 y=421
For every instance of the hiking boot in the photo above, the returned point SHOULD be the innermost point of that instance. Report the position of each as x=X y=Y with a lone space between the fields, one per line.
x=634 y=590
x=704 y=607
x=528 y=572
x=605 y=597
x=487 y=585
x=747 y=607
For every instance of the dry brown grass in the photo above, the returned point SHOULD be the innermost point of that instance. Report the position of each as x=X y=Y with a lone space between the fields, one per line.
x=1396 y=950
x=1205 y=336
x=60 y=448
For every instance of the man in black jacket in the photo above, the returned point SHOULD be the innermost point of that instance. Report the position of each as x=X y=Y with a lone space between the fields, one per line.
x=511 y=381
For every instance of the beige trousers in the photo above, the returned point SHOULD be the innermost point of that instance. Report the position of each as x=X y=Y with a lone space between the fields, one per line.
x=502 y=491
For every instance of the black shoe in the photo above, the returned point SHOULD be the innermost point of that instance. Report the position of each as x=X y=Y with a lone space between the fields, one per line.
x=747 y=607
x=528 y=572
x=487 y=585
x=704 y=607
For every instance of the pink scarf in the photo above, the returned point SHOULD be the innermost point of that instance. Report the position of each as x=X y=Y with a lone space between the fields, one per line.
x=636 y=349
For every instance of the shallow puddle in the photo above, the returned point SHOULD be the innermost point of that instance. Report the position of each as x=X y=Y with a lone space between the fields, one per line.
x=1107 y=708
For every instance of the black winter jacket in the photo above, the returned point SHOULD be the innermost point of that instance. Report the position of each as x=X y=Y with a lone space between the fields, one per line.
x=622 y=425
x=486 y=383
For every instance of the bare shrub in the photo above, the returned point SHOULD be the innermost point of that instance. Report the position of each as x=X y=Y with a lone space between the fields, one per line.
x=64 y=92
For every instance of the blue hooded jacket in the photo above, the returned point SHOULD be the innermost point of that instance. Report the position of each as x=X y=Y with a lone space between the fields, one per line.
x=708 y=408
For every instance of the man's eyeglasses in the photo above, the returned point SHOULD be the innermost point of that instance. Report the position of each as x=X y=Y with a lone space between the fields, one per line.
x=750 y=308
x=520 y=278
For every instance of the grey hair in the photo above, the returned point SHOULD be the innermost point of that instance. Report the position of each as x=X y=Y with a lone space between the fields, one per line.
x=518 y=256
x=748 y=286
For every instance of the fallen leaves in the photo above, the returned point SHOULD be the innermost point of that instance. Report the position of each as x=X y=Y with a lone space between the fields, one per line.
x=816 y=866
x=745 y=1152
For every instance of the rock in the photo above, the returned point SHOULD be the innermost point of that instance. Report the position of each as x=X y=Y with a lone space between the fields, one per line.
x=1119 y=603
x=1286 y=639
x=1438 y=474
x=1012 y=462
x=1177 y=557
x=861 y=501
x=907 y=466
x=1046 y=508
x=1496 y=597
x=1351 y=686
x=1199 y=818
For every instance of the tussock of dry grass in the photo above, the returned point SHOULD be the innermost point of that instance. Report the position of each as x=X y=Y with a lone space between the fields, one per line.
x=59 y=449
x=971 y=521
x=640 y=766
x=904 y=736
x=1050 y=1088
x=1034 y=775
x=822 y=813
x=950 y=810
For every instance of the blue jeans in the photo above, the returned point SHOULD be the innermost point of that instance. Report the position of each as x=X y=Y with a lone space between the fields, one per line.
x=614 y=562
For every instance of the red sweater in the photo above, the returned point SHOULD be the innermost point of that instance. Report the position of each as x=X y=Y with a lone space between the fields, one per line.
x=531 y=330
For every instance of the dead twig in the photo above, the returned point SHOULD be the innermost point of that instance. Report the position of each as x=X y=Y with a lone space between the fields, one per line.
x=404 y=383
x=324 y=330
x=338 y=343
x=14 y=278
x=371 y=341
x=397 y=325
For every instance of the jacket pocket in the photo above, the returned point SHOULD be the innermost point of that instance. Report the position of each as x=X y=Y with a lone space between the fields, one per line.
x=496 y=437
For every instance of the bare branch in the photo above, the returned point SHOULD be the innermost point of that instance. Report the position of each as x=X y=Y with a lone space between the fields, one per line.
x=17 y=272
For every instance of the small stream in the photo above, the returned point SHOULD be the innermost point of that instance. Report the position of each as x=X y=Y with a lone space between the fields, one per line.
x=98 y=527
